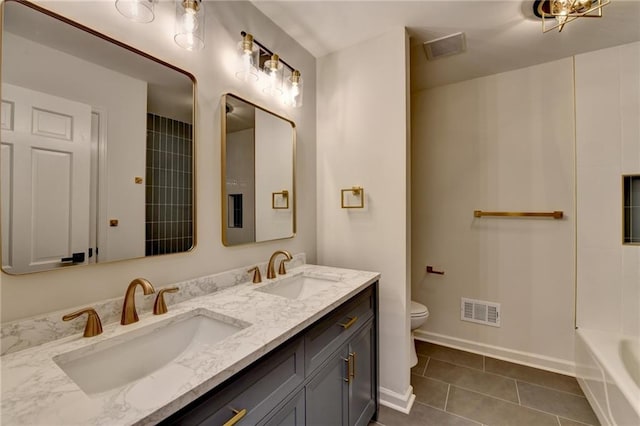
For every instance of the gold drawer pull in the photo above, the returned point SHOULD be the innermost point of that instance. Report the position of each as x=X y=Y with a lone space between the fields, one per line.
x=352 y=355
x=348 y=361
x=238 y=416
x=349 y=323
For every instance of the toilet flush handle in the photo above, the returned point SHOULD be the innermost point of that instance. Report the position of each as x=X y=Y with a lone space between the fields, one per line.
x=430 y=270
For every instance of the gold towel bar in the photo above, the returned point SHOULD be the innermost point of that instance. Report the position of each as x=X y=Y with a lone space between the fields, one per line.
x=554 y=214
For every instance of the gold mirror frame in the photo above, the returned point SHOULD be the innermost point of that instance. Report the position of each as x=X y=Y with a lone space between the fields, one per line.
x=280 y=198
x=139 y=60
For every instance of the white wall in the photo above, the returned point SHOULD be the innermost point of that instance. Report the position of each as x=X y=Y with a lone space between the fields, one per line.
x=123 y=100
x=362 y=140
x=27 y=295
x=608 y=146
x=498 y=143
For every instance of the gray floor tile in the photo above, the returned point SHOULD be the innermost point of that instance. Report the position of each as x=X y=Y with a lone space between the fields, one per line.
x=533 y=375
x=420 y=366
x=567 y=422
x=492 y=411
x=421 y=415
x=469 y=378
x=453 y=356
x=572 y=407
x=430 y=392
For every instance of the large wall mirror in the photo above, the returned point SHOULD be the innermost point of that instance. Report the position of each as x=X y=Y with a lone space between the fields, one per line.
x=97 y=155
x=258 y=169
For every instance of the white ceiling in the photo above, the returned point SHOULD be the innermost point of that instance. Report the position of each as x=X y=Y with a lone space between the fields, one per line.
x=501 y=35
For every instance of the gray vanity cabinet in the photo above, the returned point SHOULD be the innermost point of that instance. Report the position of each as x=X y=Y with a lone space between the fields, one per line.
x=327 y=375
x=343 y=391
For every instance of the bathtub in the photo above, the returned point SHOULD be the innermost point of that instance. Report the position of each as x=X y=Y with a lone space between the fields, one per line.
x=608 y=371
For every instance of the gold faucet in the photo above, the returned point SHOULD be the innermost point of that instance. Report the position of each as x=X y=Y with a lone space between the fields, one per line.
x=271 y=272
x=129 y=314
x=93 y=326
x=257 y=278
x=160 y=306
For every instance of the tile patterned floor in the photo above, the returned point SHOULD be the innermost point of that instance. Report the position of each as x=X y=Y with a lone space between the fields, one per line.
x=454 y=388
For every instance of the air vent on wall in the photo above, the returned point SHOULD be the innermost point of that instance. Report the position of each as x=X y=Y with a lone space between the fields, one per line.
x=445 y=46
x=479 y=311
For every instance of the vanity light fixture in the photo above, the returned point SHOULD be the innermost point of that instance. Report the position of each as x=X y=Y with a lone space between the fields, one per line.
x=257 y=62
x=558 y=13
x=136 y=10
x=189 y=32
x=248 y=54
x=294 y=90
x=274 y=72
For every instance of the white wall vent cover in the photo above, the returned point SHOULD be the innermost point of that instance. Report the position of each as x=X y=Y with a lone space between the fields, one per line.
x=479 y=311
x=445 y=46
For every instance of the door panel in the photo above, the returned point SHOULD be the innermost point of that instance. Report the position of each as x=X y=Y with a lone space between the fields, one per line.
x=47 y=166
x=327 y=396
x=362 y=392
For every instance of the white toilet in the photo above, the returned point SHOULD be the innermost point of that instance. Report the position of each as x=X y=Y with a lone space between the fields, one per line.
x=419 y=315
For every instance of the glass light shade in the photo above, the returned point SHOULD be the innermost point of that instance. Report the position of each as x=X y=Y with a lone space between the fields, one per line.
x=189 y=24
x=274 y=76
x=293 y=95
x=248 y=57
x=136 y=10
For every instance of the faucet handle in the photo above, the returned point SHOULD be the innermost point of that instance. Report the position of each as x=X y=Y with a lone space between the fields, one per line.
x=281 y=269
x=93 y=326
x=160 y=307
x=257 y=277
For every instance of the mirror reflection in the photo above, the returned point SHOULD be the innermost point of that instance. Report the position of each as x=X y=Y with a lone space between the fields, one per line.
x=97 y=147
x=258 y=168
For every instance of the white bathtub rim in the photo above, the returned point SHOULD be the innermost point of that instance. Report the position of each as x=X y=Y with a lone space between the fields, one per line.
x=608 y=350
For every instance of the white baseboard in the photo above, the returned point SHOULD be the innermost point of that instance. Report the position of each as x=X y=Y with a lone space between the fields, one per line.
x=396 y=401
x=525 y=358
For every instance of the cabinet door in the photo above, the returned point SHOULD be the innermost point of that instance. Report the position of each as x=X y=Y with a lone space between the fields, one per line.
x=327 y=393
x=362 y=390
x=291 y=414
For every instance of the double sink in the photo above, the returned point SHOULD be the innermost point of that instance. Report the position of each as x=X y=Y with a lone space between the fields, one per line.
x=155 y=352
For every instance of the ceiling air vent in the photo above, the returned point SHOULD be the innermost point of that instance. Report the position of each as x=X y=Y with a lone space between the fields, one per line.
x=479 y=311
x=445 y=46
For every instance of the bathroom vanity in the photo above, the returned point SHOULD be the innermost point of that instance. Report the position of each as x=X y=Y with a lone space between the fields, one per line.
x=327 y=374
x=297 y=349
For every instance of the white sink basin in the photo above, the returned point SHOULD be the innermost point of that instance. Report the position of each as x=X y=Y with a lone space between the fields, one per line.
x=132 y=356
x=298 y=286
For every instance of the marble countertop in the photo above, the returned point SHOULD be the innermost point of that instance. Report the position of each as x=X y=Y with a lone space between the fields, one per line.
x=36 y=391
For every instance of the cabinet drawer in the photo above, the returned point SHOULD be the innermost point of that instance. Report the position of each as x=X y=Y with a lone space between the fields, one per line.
x=332 y=331
x=258 y=390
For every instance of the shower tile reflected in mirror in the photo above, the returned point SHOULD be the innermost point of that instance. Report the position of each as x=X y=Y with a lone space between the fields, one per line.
x=631 y=208
x=169 y=204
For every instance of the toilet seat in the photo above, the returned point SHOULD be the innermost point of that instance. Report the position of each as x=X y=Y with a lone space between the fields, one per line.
x=418 y=310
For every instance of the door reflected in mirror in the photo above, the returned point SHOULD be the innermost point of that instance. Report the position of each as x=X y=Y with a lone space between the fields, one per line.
x=258 y=169
x=97 y=147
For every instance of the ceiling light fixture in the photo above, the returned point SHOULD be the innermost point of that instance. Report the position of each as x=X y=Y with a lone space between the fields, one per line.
x=136 y=10
x=189 y=32
x=558 y=13
x=257 y=62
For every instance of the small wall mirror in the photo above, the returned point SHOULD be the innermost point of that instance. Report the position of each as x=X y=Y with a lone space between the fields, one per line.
x=258 y=169
x=97 y=147
x=631 y=208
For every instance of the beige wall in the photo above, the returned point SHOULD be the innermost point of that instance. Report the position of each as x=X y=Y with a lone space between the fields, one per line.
x=498 y=143
x=608 y=146
x=28 y=295
x=362 y=140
